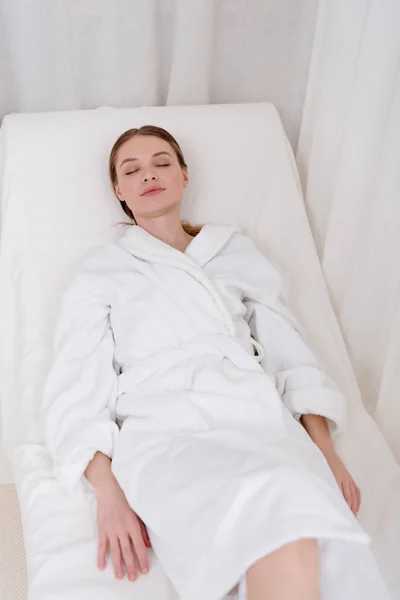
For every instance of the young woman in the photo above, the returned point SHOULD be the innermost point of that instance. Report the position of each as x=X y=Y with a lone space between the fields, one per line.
x=184 y=396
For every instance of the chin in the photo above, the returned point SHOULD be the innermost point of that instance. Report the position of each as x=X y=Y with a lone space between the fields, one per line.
x=157 y=206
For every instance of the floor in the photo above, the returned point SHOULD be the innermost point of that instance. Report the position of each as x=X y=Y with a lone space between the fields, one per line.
x=13 y=582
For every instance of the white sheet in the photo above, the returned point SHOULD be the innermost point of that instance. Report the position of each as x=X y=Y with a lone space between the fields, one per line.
x=57 y=204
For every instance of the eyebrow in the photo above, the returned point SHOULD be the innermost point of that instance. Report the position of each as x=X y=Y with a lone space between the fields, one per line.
x=155 y=154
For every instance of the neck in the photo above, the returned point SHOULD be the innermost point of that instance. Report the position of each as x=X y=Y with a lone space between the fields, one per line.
x=168 y=229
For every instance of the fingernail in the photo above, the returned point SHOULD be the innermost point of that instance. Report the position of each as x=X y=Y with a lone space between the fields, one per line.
x=145 y=570
x=132 y=577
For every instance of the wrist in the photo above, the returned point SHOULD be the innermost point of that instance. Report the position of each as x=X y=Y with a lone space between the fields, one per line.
x=104 y=482
x=107 y=490
x=99 y=474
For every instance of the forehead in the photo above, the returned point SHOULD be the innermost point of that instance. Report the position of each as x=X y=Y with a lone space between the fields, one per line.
x=143 y=146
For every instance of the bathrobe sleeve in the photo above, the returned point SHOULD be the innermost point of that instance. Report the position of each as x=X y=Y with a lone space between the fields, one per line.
x=300 y=380
x=80 y=391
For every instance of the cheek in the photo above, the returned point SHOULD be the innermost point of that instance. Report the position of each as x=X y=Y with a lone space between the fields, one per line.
x=128 y=187
x=176 y=179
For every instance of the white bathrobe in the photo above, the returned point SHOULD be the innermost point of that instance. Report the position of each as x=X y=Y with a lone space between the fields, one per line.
x=190 y=372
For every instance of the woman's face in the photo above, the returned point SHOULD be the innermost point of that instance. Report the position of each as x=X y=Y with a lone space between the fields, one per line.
x=150 y=178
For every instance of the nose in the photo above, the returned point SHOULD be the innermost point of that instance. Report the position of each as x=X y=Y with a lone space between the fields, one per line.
x=149 y=175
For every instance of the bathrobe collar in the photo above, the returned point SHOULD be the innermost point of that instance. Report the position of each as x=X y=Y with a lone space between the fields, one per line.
x=205 y=246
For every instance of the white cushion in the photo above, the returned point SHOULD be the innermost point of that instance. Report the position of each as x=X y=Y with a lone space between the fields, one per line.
x=57 y=204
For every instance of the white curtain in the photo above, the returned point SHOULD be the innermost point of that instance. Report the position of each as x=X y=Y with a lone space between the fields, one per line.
x=349 y=159
x=67 y=54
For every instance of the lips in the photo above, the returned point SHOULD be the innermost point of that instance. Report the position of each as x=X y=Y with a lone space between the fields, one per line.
x=153 y=191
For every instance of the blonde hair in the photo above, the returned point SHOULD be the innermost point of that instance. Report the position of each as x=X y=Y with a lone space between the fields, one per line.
x=161 y=133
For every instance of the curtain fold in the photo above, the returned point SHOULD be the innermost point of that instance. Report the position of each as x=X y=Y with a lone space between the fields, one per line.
x=58 y=55
x=193 y=50
x=349 y=156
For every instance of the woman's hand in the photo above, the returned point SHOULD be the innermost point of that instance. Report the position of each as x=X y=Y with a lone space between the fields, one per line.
x=317 y=428
x=350 y=490
x=121 y=533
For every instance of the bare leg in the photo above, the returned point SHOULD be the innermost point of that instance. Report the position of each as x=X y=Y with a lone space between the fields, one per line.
x=290 y=573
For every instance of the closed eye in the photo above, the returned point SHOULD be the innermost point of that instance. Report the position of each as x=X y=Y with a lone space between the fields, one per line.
x=136 y=170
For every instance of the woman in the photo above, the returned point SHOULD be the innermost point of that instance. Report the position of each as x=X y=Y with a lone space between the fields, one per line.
x=181 y=336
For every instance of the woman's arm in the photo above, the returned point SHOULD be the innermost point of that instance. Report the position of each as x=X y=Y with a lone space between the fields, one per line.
x=306 y=390
x=79 y=421
x=304 y=386
x=80 y=390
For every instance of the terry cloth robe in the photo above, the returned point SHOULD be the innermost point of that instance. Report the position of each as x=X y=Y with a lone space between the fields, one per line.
x=189 y=371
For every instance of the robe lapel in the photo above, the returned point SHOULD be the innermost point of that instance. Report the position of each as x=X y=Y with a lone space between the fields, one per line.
x=208 y=243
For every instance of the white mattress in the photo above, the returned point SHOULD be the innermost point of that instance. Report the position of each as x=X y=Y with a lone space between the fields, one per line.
x=56 y=205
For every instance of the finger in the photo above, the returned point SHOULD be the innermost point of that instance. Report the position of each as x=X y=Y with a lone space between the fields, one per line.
x=358 y=496
x=145 y=534
x=102 y=552
x=349 y=495
x=354 y=498
x=346 y=493
x=116 y=557
x=140 y=551
x=358 y=492
x=128 y=557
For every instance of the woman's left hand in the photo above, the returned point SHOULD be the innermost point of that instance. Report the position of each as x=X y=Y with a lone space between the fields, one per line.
x=350 y=489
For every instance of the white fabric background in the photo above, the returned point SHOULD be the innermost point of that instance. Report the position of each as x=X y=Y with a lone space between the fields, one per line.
x=61 y=55
x=349 y=159
x=58 y=55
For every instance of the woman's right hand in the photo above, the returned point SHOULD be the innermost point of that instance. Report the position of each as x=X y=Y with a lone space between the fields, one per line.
x=121 y=533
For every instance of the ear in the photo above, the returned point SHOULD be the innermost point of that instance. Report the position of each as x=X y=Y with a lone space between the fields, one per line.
x=185 y=177
x=118 y=193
